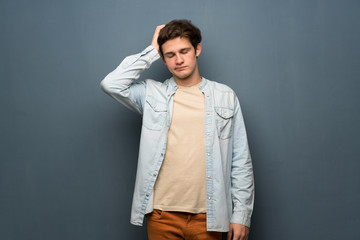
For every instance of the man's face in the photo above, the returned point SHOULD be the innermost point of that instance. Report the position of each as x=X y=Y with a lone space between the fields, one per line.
x=180 y=58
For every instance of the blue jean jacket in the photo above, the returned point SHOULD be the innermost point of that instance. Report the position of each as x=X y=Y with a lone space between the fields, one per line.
x=229 y=173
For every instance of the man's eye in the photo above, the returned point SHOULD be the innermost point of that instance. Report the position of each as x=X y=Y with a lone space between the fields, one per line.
x=170 y=55
x=185 y=51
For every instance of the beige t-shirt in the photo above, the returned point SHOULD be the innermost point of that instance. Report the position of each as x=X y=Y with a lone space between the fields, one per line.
x=181 y=184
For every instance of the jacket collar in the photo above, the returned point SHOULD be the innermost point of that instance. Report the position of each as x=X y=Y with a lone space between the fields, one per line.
x=172 y=85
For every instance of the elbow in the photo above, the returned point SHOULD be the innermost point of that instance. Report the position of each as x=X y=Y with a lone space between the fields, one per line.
x=104 y=85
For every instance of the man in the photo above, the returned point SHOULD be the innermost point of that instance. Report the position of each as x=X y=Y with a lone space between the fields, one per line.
x=194 y=178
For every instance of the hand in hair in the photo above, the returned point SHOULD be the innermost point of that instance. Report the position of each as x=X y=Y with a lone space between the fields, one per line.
x=154 y=42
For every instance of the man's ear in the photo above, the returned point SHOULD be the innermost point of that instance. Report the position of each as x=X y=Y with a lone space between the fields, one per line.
x=198 y=49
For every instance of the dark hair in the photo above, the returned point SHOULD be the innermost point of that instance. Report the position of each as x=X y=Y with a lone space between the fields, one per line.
x=179 y=28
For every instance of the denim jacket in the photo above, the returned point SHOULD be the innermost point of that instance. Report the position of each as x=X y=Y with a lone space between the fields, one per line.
x=229 y=174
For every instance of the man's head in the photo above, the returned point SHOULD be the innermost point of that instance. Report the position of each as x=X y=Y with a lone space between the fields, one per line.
x=182 y=29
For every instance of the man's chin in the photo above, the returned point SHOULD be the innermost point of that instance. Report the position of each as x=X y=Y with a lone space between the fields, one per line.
x=182 y=76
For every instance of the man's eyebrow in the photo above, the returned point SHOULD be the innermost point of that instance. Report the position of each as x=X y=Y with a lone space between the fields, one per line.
x=182 y=49
x=169 y=53
x=188 y=48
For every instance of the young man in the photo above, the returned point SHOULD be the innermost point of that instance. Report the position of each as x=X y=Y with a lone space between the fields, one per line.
x=194 y=178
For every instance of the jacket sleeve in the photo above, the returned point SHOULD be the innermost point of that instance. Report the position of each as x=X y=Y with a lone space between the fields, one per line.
x=120 y=84
x=242 y=179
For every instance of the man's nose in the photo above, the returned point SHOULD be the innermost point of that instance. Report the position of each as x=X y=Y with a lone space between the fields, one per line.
x=179 y=59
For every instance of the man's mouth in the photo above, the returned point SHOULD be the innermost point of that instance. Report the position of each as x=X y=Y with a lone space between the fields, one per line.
x=180 y=68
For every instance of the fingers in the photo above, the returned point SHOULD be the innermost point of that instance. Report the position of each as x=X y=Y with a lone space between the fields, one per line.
x=235 y=236
x=158 y=28
x=156 y=35
x=230 y=233
x=243 y=234
x=237 y=232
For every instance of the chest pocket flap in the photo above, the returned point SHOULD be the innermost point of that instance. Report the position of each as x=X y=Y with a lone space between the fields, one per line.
x=155 y=113
x=156 y=105
x=225 y=113
x=223 y=120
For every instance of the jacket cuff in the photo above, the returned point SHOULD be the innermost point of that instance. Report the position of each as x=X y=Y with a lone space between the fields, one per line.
x=241 y=218
x=148 y=56
x=151 y=53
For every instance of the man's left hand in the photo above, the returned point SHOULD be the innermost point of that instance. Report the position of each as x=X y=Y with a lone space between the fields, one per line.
x=238 y=232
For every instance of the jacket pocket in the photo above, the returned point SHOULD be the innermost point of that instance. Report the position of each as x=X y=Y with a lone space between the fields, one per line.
x=223 y=118
x=155 y=113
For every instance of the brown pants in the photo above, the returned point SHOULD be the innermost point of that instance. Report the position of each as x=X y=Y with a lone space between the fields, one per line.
x=162 y=225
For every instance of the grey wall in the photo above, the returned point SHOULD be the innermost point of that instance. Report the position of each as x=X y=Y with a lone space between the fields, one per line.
x=68 y=151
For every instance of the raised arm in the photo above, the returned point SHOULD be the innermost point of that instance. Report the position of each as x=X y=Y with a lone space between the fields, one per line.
x=120 y=84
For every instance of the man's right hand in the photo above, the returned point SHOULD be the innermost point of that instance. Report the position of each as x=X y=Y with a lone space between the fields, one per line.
x=154 y=42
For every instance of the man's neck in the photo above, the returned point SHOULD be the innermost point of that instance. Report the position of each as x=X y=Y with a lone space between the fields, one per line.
x=190 y=81
x=187 y=82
